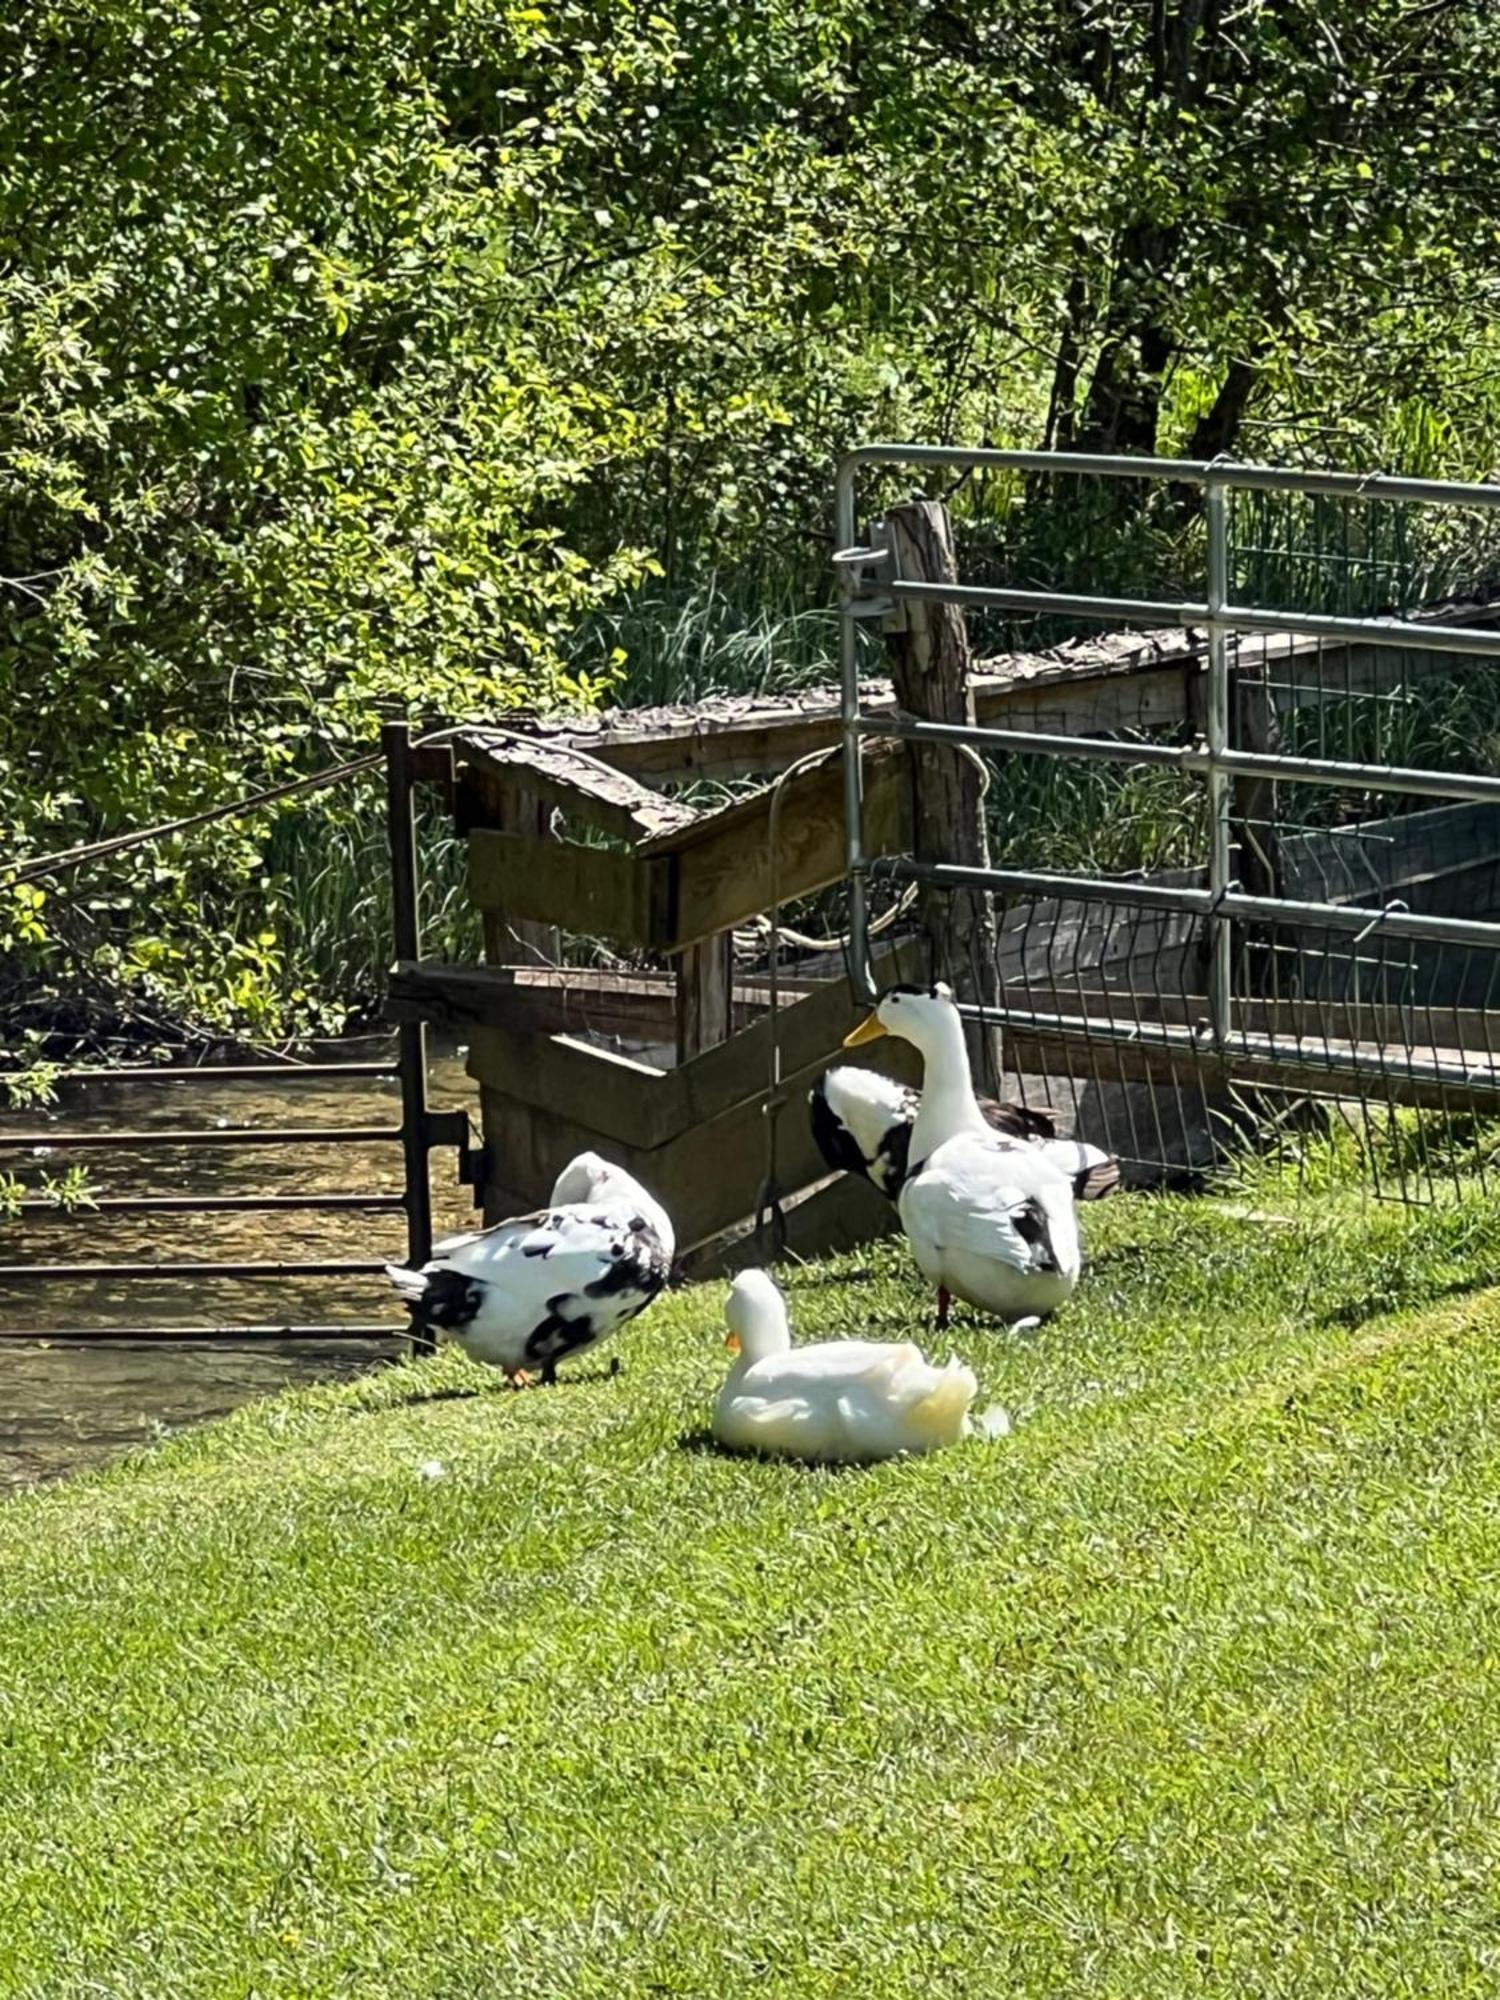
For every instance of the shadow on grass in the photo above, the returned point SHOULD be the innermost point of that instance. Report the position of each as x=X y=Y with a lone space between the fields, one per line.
x=702 y=1443
x=1380 y=1304
x=451 y=1392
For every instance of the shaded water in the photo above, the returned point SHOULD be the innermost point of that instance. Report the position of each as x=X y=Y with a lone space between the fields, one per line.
x=66 y=1406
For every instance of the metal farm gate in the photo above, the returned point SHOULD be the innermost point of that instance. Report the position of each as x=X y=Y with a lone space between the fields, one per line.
x=421 y=1130
x=1281 y=967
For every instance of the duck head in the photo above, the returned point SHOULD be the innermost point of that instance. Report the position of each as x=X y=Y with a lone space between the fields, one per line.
x=589 y=1177
x=756 y=1313
x=586 y=1177
x=925 y=1016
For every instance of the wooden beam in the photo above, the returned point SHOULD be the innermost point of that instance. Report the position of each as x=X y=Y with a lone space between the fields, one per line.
x=612 y=1094
x=809 y=1033
x=1251 y=1069
x=705 y=988
x=547 y=1000
x=594 y=891
x=723 y=862
x=1297 y=1026
x=839 y=1212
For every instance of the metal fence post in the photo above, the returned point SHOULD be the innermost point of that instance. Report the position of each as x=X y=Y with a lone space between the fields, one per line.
x=406 y=927
x=845 y=531
x=1219 y=785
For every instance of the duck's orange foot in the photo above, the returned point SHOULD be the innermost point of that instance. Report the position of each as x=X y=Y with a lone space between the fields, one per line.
x=518 y=1378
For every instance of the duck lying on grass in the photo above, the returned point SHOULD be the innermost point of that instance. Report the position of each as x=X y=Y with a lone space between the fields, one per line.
x=845 y=1402
x=862 y=1124
x=528 y=1292
x=989 y=1218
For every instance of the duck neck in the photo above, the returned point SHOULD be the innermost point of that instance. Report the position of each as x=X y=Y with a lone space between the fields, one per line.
x=948 y=1104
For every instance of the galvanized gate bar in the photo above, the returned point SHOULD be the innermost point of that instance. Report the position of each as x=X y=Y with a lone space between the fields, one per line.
x=329 y=1269
x=1356 y=919
x=1221 y=903
x=1393 y=778
x=94 y=1336
x=1397 y=632
x=1216 y=729
x=43 y=1141
x=266 y=1072
x=1172 y=471
x=217 y=1204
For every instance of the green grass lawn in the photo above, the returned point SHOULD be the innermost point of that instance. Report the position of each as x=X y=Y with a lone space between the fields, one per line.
x=1189 y=1686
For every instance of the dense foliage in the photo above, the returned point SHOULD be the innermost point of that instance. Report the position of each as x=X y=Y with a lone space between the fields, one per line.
x=366 y=357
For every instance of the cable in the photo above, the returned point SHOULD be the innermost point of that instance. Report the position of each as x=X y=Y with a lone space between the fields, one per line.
x=74 y=857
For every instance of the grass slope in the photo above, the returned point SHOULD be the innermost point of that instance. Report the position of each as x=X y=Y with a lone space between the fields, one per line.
x=1188 y=1686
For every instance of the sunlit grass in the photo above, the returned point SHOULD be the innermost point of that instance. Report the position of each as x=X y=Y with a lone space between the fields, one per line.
x=1186 y=1686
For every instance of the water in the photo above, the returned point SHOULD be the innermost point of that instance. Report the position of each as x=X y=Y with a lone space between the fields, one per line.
x=65 y=1407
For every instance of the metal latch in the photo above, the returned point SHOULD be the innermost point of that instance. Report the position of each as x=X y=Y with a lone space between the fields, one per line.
x=860 y=569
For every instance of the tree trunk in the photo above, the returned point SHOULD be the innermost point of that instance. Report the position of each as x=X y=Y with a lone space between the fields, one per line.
x=1217 y=429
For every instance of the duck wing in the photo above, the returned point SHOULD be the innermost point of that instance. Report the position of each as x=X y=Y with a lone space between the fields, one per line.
x=993 y=1199
x=829 y=1366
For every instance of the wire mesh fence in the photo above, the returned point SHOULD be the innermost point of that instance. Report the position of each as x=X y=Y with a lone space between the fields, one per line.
x=1266 y=927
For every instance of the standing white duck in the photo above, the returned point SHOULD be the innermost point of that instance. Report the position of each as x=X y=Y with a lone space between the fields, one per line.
x=862 y=1124
x=989 y=1219
x=527 y=1292
x=846 y=1402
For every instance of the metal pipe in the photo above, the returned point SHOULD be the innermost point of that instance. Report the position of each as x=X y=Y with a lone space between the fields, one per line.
x=861 y=979
x=1170 y=1037
x=411 y=1042
x=1401 y=634
x=1115 y=610
x=916 y=730
x=228 y=1073
x=1179 y=471
x=1217 y=739
x=1393 y=778
x=11 y=1273
x=216 y=1204
x=1353 y=918
x=94 y=1336
x=1404 y=635
x=43 y=1141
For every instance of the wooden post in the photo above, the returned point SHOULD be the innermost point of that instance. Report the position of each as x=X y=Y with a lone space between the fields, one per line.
x=928 y=646
x=705 y=995
x=1253 y=828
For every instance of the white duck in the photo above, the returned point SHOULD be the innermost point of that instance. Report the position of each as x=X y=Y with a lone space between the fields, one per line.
x=989 y=1219
x=844 y=1402
x=862 y=1124
x=528 y=1292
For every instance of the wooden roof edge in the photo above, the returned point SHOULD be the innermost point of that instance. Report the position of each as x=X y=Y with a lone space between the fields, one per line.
x=1077 y=660
x=1102 y=657
x=564 y=773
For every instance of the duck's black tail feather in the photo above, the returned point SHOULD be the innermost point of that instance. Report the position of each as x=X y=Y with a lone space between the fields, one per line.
x=435 y=1298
